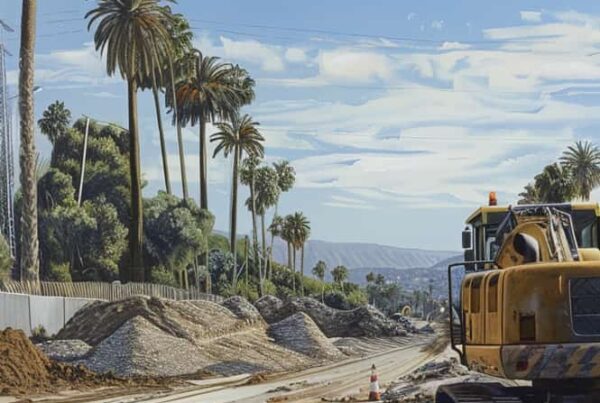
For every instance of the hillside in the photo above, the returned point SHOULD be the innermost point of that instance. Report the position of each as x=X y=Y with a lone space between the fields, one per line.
x=355 y=255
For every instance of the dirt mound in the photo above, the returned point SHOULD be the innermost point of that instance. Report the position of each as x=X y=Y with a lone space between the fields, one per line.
x=25 y=369
x=364 y=321
x=242 y=309
x=190 y=320
x=300 y=333
x=139 y=348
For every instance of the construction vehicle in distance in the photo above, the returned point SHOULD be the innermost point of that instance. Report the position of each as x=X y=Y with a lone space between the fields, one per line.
x=525 y=304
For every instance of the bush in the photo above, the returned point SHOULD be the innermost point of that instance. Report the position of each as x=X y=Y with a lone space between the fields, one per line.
x=5 y=260
x=357 y=298
x=250 y=292
x=60 y=272
x=161 y=275
x=269 y=288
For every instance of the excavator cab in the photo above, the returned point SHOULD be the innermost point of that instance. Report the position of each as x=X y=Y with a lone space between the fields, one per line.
x=525 y=305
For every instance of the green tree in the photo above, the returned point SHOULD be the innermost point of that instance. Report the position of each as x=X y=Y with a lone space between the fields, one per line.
x=555 y=184
x=248 y=178
x=287 y=234
x=238 y=137
x=30 y=266
x=286 y=177
x=5 y=260
x=582 y=160
x=176 y=233
x=370 y=278
x=340 y=274
x=133 y=37
x=181 y=37
x=267 y=194
x=214 y=91
x=55 y=120
x=319 y=272
x=529 y=195
x=300 y=227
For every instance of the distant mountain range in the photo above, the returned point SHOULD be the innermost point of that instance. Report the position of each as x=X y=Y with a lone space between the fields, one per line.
x=355 y=255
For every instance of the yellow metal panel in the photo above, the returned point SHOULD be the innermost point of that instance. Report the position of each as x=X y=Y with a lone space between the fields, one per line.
x=486 y=359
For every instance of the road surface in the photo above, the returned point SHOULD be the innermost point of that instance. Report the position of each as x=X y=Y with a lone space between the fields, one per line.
x=346 y=378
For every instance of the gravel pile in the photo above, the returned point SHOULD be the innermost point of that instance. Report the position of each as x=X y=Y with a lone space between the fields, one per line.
x=405 y=322
x=191 y=320
x=64 y=350
x=364 y=321
x=300 y=333
x=139 y=348
x=242 y=309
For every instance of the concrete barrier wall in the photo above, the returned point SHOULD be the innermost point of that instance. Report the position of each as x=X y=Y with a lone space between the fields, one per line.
x=26 y=312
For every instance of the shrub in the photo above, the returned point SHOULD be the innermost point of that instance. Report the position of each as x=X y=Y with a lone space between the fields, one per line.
x=161 y=275
x=337 y=300
x=60 y=272
x=5 y=260
x=357 y=298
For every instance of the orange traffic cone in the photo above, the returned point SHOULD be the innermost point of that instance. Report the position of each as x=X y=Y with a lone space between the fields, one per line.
x=374 y=393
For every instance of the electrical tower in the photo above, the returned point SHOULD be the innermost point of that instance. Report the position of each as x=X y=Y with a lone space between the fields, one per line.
x=7 y=214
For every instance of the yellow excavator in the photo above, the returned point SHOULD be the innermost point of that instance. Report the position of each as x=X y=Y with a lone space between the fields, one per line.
x=525 y=304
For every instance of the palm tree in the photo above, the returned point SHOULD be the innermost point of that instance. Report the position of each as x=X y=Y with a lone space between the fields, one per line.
x=319 y=271
x=286 y=177
x=181 y=37
x=301 y=231
x=238 y=137
x=215 y=90
x=554 y=184
x=287 y=234
x=55 y=120
x=248 y=178
x=583 y=162
x=529 y=195
x=133 y=36
x=340 y=274
x=30 y=265
x=267 y=194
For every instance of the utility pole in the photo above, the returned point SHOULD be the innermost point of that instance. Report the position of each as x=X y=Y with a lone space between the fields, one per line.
x=7 y=213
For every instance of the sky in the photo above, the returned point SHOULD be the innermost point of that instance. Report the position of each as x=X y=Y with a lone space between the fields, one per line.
x=399 y=117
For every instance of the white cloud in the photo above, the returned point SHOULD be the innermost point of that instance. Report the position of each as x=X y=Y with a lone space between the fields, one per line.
x=411 y=16
x=437 y=24
x=295 y=55
x=531 y=16
x=354 y=66
x=268 y=57
x=454 y=46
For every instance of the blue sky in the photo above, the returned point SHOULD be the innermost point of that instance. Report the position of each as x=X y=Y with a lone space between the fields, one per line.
x=399 y=117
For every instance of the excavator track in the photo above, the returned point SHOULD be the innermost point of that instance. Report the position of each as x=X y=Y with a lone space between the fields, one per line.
x=498 y=393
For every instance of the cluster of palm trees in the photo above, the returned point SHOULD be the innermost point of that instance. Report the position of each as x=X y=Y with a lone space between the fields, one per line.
x=574 y=176
x=150 y=47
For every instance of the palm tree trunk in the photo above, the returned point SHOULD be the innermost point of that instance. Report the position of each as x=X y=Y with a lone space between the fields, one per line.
x=161 y=135
x=323 y=290
x=203 y=162
x=255 y=236
x=30 y=265
x=136 y=226
x=233 y=221
x=179 y=135
x=264 y=243
x=302 y=271
x=247 y=244
x=270 y=275
x=294 y=268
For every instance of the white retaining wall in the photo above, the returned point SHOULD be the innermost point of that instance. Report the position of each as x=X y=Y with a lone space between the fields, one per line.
x=26 y=312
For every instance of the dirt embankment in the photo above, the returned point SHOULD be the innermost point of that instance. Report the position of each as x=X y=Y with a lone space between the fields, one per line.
x=25 y=369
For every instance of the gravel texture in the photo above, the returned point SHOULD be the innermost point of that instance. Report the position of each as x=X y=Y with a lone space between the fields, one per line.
x=300 y=333
x=364 y=321
x=64 y=350
x=139 y=348
x=242 y=309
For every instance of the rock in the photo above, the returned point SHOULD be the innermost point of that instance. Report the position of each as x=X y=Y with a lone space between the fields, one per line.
x=242 y=309
x=139 y=348
x=300 y=333
x=364 y=321
x=64 y=350
x=426 y=329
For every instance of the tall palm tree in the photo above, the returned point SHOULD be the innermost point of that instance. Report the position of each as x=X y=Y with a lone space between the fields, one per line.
x=30 y=265
x=555 y=184
x=287 y=234
x=215 y=90
x=238 y=137
x=133 y=36
x=286 y=177
x=267 y=194
x=340 y=274
x=319 y=271
x=301 y=231
x=181 y=37
x=248 y=178
x=55 y=120
x=583 y=162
